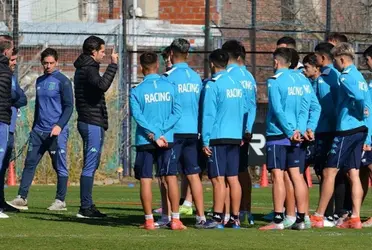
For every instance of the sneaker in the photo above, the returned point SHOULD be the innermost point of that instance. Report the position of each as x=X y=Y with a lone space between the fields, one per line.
x=149 y=225
x=299 y=226
x=91 y=212
x=341 y=219
x=349 y=222
x=58 y=205
x=176 y=224
x=18 y=203
x=269 y=217
x=233 y=224
x=328 y=222
x=10 y=209
x=367 y=223
x=184 y=210
x=307 y=223
x=317 y=221
x=158 y=211
x=212 y=224
x=200 y=224
x=288 y=223
x=250 y=219
x=272 y=226
x=162 y=223
x=2 y=215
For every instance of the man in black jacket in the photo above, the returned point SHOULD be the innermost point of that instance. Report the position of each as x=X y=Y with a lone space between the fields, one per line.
x=90 y=102
x=6 y=51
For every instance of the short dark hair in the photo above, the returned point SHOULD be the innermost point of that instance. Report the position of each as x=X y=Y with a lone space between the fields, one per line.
x=166 y=52
x=341 y=38
x=286 y=40
x=324 y=49
x=148 y=59
x=5 y=42
x=295 y=58
x=92 y=43
x=219 y=58
x=15 y=52
x=368 y=52
x=283 y=53
x=310 y=59
x=49 y=52
x=180 y=46
x=234 y=48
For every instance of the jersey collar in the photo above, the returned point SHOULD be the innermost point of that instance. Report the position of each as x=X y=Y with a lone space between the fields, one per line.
x=231 y=67
x=181 y=65
x=151 y=76
x=219 y=73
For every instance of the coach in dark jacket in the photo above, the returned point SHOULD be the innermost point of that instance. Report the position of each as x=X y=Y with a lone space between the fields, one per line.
x=6 y=51
x=90 y=90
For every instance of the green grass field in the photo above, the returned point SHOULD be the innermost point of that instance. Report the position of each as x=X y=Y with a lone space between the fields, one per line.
x=38 y=228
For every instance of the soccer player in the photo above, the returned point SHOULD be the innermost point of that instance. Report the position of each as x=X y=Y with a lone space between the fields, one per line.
x=336 y=38
x=285 y=97
x=19 y=100
x=286 y=42
x=327 y=128
x=156 y=108
x=351 y=132
x=224 y=109
x=188 y=84
x=238 y=71
x=53 y=109
x=308 y=116
x=366 y=168
x=6 y=51
x=90 y=88
x=166 y=55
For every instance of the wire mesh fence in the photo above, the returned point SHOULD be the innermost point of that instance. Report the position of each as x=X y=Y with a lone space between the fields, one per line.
x=258 y=24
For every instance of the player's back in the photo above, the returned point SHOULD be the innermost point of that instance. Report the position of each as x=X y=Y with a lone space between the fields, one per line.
x=155 y=96
x=225 y=98
x=284 y=102
x=351 y=104
x=188 y=85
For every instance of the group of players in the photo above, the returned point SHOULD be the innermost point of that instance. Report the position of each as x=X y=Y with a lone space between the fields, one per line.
x=54 y=105
x=319 y=113
x=322 y=106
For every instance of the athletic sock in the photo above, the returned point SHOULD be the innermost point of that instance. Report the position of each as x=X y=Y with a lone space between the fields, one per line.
x=278 y=217
x=300 y=217
x=291 y=218
x=234 y=217
x=176 y=216
x=226 y=218
x=217 y=217
x=200 y=218
x=149 y=217
x=187 y=203
x=319 y=215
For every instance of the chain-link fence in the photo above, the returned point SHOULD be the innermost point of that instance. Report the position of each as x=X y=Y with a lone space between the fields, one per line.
x=258 y=24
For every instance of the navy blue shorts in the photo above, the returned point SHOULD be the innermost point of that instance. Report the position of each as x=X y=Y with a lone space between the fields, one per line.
x=143 y=166
x=310 y=152
x=346 y=151
x=366 y=158
x=283 y=157
x=224 y=161
x=323 y=145
x=185 y=156
x=243 y=162
x=276 y=157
